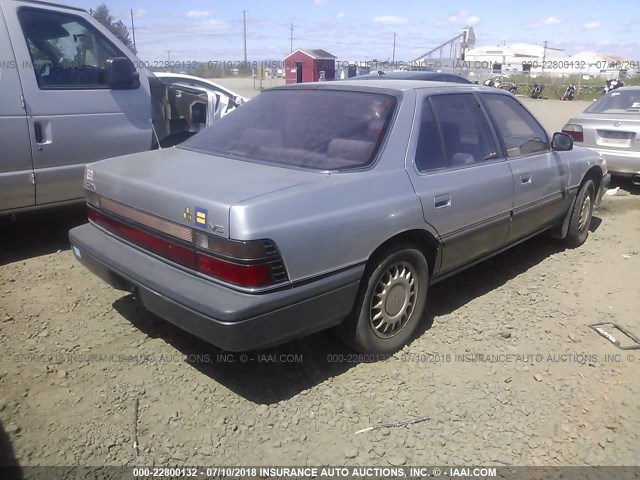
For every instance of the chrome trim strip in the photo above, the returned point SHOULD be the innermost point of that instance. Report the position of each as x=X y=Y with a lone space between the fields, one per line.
x=146 y=219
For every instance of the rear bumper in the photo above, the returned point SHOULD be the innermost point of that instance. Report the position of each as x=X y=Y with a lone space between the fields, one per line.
x=232 y=320
x=620 y=163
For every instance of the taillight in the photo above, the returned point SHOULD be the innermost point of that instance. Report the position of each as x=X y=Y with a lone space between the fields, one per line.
x=245 y=275
x=181 y=254
x=250 y=264
x=575 y=131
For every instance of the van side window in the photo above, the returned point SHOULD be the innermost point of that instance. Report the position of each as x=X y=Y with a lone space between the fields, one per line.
x=66 y=51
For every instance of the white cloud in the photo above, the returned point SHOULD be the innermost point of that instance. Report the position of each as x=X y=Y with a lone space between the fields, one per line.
x=197 y=13
x=592 y=25
x=390 y=20
x=463 y=17
x=319 y=2
x=545 y=22
x=140 y=12
x=340 y=15
x=211 y=24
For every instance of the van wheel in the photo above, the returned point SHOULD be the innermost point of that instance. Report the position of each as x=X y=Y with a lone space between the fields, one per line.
x=581 y=216
x=390 y=303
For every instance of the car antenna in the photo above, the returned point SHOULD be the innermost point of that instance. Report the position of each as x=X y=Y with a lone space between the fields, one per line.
x=155 y=134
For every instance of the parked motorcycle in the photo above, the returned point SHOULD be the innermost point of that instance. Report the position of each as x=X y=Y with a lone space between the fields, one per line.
x=536 y=91
x=497 y=82
x=612 y=85
x=569 y=93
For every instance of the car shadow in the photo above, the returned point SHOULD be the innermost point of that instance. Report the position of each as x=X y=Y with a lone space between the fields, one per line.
x=624 y=184
x=32 y=234
x=449 y=295
x=269 y=376
x=595 y=224
x=9 y=467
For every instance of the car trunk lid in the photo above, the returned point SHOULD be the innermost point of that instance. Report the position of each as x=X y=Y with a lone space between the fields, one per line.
x=189 y=188
x=612 y=132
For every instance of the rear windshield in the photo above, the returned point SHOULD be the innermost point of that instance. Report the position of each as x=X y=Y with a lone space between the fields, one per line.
x=620 y=101
x=319 y=129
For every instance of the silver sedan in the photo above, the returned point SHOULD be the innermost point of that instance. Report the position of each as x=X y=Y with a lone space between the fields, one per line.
x=333 y=204
x=611 y=127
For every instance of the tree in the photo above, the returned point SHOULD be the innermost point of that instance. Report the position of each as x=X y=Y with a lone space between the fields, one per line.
x=118 y=28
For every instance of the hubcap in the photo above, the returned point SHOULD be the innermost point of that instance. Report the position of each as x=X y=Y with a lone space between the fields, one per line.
x=585 y=214
x=393 y=300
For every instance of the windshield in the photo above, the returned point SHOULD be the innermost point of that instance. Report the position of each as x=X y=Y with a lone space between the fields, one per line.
x=313 y=128
x=618 y=101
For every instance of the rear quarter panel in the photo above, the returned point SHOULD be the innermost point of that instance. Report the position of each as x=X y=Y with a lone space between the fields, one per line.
x=331 y=224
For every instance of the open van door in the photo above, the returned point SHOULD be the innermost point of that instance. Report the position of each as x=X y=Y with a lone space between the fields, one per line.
x=16 y=169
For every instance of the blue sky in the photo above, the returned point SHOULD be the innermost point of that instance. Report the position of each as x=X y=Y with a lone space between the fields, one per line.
x=363 y=30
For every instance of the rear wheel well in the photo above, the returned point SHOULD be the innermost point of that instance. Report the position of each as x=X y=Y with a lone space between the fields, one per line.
x=422 y=239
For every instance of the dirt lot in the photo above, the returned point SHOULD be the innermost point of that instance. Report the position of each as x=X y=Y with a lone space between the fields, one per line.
x=505 y=366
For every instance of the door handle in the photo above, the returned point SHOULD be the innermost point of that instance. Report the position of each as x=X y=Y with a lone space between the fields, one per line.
x=37 y=126
x=42 y=132
x=442 y=201
x=525 y=178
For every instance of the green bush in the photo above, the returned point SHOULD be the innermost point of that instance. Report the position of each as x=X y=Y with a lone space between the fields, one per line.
x=554 y=87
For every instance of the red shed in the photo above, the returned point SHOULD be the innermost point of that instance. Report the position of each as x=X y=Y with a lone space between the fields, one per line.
x=306 y=65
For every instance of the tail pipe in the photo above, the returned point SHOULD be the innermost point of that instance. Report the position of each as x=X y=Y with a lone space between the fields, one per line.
x=636 y=179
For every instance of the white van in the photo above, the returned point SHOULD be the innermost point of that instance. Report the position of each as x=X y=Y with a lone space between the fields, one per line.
x=71 y=93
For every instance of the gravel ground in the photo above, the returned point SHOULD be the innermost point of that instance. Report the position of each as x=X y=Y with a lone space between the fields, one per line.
x=505 y=367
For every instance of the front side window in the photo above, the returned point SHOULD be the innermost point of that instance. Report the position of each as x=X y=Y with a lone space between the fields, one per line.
x=321 y=129
x=520 y=132
x=66 y=52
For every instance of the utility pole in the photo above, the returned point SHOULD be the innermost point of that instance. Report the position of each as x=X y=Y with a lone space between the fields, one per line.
x=291 y=38
x=244 y=22
x=393 y=58
x=169 y=56
x=133 y=33
x=544 y=55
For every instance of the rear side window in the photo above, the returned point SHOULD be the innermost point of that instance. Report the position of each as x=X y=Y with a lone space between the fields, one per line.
x=315 y=128
x=520 y=132
x=66 y=52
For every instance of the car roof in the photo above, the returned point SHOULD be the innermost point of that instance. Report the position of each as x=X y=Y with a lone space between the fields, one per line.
x=48 y=4
x=626 y=88
x=392 y=86
x=417 y=75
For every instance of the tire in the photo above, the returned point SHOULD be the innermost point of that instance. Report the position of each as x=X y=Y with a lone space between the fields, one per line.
x=384 y=319
x=581 y=215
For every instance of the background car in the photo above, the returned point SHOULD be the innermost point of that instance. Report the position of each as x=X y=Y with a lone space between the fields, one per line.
x=415 y=75
x=611 y=127
x=228 y=98
x=331 y=204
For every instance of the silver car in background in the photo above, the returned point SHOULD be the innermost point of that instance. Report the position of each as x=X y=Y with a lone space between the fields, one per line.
x=611 y=127
x=331 y=204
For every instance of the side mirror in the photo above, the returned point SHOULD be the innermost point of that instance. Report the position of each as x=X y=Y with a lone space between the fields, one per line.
x=121 y=74
x=561 y=142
